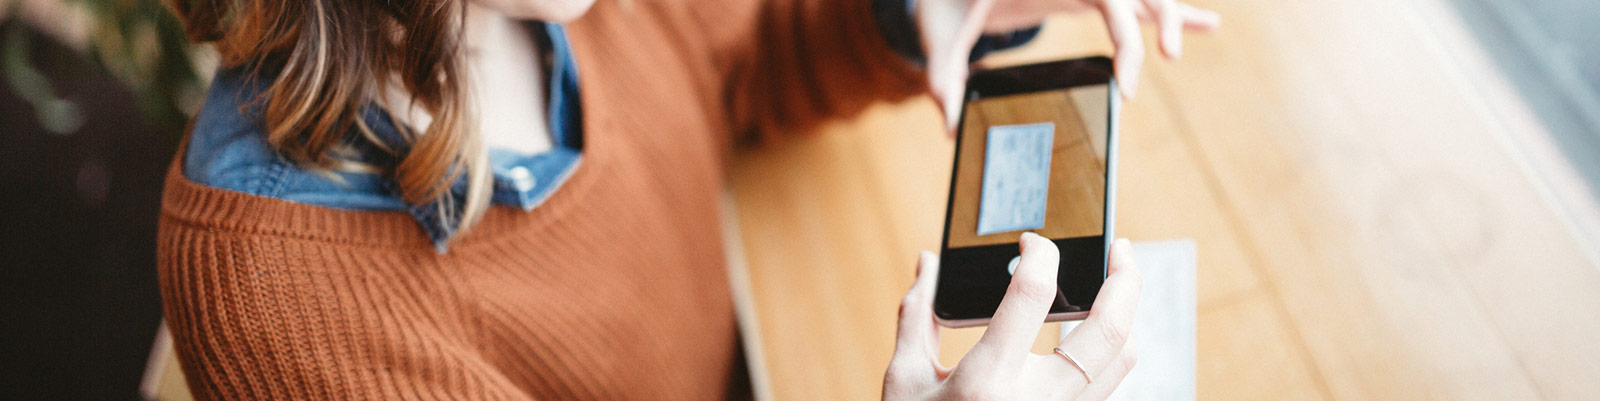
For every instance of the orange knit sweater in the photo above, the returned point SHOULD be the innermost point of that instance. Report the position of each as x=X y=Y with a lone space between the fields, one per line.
x=613 y=289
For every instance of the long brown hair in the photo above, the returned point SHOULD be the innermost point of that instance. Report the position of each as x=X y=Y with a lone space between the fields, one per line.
x=334 y=57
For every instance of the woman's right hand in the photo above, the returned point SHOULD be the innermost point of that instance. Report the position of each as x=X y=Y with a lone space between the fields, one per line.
x=1000 y=366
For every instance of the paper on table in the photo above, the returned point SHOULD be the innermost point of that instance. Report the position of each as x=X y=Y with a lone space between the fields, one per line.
x=1016 y=177
x=1165 y=325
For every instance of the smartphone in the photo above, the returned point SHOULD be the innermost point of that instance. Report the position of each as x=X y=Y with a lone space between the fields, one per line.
x=1036 y=151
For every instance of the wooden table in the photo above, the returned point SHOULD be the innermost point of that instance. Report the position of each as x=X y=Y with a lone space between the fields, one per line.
x=1378 y=217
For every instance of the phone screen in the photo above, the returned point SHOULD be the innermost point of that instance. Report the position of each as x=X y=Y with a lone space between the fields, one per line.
x=1032 y=160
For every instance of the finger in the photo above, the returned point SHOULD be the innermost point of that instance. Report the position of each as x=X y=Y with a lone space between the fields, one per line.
x=915 y=364
x=1027 y=301
x=928 y=284
x=949 y=46
x=947 y=78
x=1169 y=25
x=917 y=342
x=948 y=84
x=1097 y=341
x=1109 y=378
x=1129 y=44
x=1193 y=18
x=1198 y=18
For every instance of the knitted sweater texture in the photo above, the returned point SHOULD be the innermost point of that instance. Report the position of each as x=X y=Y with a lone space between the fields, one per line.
x=615 y=288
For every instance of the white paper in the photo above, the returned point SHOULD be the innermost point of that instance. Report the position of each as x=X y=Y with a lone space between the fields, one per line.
x=1164 y=326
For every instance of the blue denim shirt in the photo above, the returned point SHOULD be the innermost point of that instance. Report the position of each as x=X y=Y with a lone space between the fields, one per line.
x=228 y=149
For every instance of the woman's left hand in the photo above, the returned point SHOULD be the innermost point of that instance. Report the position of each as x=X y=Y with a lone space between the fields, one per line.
x=951 y=27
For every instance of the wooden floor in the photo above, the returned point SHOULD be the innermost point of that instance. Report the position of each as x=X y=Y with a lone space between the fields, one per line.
x=1377 y=216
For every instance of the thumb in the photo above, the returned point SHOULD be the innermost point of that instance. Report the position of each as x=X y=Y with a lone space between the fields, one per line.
x=917 y=342
x=948 y=82
x=949 y=30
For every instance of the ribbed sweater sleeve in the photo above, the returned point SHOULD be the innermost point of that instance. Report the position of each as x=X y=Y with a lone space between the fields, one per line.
x=806 y=61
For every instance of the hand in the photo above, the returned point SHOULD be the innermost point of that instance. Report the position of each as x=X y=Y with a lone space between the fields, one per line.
x=1000 y=367
x=951 y=27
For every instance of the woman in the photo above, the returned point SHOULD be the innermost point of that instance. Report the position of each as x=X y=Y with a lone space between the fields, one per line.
x=471 y=200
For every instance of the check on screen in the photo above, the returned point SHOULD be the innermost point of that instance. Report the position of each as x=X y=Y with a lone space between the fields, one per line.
x=1016 y=177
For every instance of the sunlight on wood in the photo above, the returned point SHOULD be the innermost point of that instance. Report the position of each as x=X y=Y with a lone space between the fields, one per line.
x=1357 y=184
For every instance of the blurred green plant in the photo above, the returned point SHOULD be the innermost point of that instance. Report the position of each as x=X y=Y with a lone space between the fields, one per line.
x=140 y=42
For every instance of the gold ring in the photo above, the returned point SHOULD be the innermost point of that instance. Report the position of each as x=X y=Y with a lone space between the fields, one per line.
x=1074 y=362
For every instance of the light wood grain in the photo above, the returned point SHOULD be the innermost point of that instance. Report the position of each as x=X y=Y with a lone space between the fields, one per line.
x=1374 y=215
